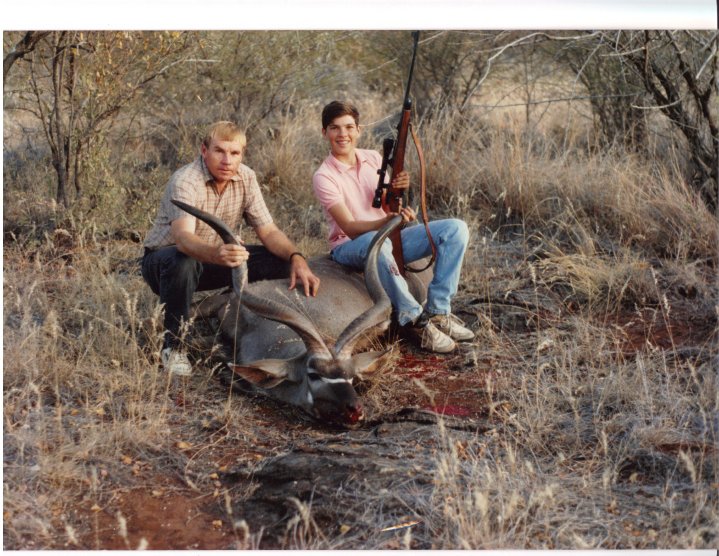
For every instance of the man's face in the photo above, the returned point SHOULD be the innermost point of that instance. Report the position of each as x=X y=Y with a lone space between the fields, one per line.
x=342 y=135
x=222 y=158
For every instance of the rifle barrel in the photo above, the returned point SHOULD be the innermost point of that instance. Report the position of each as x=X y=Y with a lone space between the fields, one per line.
x=415 y=36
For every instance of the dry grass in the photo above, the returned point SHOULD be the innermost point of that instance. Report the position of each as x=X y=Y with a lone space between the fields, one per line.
x=600 y=447
x=584 y=198
x=603 y=452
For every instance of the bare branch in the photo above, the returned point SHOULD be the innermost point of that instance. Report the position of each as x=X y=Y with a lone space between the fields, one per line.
x=22 y=48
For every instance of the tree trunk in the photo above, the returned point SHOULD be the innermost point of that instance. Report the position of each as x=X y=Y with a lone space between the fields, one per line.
x=57 y=131
x=61 y=194
x=78 y=168
x=60 y=121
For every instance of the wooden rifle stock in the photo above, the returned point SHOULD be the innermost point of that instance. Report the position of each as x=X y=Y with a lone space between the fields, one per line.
x=396 y=196
x=395 y=199
x=390 y=198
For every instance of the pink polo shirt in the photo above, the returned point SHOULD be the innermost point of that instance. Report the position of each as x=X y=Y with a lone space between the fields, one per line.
x=334 y=182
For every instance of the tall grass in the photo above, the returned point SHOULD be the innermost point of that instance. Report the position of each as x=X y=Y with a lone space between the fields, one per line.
x=79 y=387
x=597 y=439
x=586 y=197
x=600 y=451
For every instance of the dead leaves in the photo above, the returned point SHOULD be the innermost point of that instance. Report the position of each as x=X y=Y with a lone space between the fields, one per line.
x=138 y=466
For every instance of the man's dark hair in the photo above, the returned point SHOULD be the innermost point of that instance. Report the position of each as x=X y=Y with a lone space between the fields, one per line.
x=338 y=108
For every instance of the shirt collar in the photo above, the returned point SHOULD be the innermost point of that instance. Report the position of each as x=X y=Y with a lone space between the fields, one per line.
x=342 y=167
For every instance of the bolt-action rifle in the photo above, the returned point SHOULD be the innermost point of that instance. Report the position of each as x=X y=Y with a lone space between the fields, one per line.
x=393 y=153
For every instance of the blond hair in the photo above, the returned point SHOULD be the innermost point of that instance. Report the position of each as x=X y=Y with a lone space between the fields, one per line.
x=224 y=131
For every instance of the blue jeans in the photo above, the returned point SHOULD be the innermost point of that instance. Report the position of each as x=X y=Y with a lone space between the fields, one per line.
x=450 y=236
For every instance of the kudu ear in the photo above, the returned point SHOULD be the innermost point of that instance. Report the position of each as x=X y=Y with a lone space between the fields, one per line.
x=366 y=363
x=267 y=373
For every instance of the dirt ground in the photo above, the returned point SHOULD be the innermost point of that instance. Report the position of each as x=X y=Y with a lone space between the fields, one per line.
x=246 y=494
x=169 y=514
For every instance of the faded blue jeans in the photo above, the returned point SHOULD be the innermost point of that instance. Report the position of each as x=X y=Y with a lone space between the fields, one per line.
x=450 y=236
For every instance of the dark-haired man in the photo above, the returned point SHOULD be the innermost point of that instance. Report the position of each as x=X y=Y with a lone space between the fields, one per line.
x=345 y=184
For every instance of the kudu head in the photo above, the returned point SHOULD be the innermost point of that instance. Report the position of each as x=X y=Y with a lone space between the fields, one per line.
x=319 y=380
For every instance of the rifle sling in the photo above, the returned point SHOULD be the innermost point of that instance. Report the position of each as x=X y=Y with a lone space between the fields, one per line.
x=423 y=202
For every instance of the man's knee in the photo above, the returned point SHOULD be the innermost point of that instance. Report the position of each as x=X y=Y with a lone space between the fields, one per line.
x=172 y=269
x=458 y=230
x=181 y=264
x=183 y=271
x=263 y=265
x=385 y=255
x=167 y=265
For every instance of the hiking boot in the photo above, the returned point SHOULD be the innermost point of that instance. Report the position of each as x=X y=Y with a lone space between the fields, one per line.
x=430 y=337
x=176 y=362
x=452 y=326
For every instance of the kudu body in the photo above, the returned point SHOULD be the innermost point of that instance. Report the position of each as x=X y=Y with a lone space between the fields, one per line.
x=300 y=349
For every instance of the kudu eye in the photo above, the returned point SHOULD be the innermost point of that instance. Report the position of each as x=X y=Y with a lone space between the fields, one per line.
x=313 y=376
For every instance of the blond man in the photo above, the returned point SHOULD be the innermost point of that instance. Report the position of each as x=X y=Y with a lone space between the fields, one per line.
x=184 y=255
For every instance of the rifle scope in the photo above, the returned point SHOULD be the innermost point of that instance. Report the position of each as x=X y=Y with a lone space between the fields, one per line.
x=387 y=146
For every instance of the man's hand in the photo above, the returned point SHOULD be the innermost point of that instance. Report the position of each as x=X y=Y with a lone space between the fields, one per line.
x=407 y=213
x=183 y=233
x=277 y=242
x=230 y=255
x=300 y=270
x=401 y=180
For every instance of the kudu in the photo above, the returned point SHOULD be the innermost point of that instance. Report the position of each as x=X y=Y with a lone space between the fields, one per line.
x=282 y=340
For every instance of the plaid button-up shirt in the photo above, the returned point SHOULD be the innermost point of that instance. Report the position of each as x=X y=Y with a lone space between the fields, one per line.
x=194 y=185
